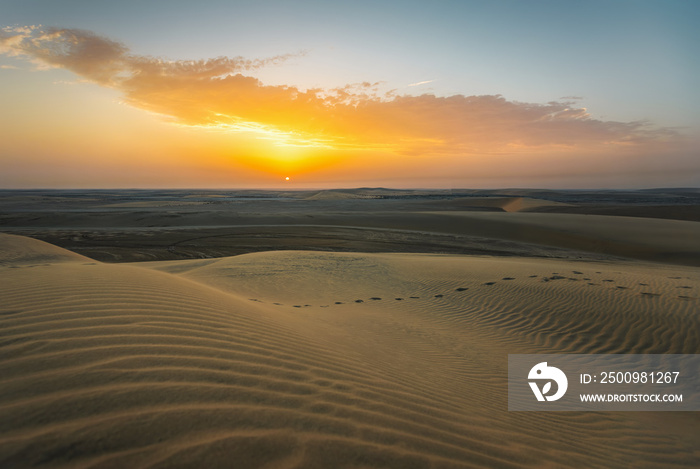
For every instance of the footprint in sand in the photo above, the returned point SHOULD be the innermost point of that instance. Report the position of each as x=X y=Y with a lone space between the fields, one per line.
x=684 y=286
x=648 y=294
x=359 y=301
x=594 y=284
x=622 y=288
x=576 y=272
x=439 y=296
x=398 y=299
x=533 y=276
x=553 y=277
x=608 y=280
x=297 y=306
x=462 y=289
x=374 y=298
x=339 y=302
x=508 y=278
x=644 y=284
x=490 y=283
x=414 y=297
x=278 y=304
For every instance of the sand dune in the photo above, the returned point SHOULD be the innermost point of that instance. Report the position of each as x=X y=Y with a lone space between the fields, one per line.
x=310 y=359
x=155 y=229
x=339 y=195
x=669 y=241
x=16 y=251
x=154 y=204
x=507 y=204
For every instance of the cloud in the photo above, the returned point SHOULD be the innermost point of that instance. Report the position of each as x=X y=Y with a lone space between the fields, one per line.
x=219 y=93
x=108 y=62
x=421 y=83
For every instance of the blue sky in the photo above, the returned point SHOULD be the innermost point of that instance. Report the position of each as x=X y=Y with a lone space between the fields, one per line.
x=626 y=59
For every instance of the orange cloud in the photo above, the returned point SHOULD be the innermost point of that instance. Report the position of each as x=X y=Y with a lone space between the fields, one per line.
x=215 y=93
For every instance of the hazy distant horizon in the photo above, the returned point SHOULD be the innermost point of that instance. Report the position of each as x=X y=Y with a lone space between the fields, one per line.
x=352 y=188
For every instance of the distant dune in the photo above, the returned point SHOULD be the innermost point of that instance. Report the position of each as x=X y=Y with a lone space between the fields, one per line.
x=312 y=359
x=131 y=225
x=154 y=204
x=508 y=204
x=339 y=195
x=669 y=241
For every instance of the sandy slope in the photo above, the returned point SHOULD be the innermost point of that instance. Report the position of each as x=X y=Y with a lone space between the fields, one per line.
x=506 y=204
x=270 y=360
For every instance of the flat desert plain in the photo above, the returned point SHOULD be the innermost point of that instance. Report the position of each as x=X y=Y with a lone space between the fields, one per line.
x=323 y=329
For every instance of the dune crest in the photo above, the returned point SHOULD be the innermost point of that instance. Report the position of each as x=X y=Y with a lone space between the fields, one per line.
x=20 y=250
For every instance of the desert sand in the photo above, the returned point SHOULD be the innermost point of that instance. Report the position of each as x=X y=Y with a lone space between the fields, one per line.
x=308 y=358
x=139 y=225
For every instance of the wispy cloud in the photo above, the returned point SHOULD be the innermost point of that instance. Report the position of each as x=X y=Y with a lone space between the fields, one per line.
x=421 y=83
x=220 y=93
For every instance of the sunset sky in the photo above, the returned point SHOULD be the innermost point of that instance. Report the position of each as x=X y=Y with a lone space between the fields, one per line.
x=244 y=94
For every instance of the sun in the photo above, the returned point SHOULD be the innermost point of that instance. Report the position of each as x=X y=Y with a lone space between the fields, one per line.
x=287 y=178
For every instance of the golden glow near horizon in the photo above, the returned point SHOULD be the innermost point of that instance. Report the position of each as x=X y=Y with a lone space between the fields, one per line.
x=264 y=132
x=213 y=119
